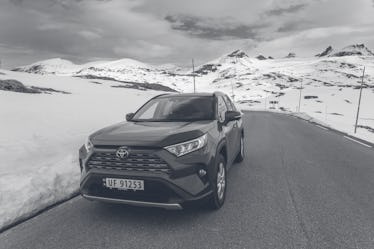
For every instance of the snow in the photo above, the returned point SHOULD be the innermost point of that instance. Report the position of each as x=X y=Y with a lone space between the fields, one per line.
x=335 y=105
x=41 y=135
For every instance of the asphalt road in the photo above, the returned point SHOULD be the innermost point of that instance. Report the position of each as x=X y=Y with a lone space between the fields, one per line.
x=299 y=187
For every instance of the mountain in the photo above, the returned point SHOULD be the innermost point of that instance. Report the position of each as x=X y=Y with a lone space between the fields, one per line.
x=238 y=54
x=291 y=55
x=353 y=50
x=261 y=57
x=126 y=69
x=51 y=66
x=326 y=52
x=251 y=78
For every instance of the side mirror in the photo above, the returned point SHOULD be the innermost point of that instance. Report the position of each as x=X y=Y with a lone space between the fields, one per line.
x=129 y=116
x=232 y=115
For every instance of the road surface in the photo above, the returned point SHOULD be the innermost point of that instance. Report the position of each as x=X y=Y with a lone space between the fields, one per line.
x=299 y=187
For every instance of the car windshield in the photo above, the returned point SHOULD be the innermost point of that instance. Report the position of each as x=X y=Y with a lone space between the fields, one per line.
x=177 y=108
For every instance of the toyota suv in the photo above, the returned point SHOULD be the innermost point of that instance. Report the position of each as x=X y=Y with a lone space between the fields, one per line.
x=175 y=149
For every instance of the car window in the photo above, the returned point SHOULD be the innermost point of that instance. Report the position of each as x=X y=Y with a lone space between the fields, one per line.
x=149 y=113
x=177 y=108
x=221 y=108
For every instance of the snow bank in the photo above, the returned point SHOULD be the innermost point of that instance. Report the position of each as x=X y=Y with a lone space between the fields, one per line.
x=40 y=135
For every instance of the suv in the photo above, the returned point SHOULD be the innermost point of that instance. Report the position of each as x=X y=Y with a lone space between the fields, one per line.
x=175 y=149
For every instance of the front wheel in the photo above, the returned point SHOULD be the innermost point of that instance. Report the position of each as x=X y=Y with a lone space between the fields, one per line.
x=219 y=184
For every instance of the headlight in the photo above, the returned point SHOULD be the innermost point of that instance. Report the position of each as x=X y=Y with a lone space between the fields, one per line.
x=187 y=147
x=88 y=145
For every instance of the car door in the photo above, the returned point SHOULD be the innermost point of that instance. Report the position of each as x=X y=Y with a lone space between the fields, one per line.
x=227 y=128
x=236 y=127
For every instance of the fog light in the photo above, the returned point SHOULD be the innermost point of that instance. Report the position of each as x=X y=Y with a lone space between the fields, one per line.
x=202 y=172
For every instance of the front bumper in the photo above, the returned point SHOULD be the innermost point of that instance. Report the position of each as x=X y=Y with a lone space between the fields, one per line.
x=171 y=206
x=161 y=189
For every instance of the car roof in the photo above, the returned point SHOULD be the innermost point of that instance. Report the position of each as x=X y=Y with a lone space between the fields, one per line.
x=199 y=94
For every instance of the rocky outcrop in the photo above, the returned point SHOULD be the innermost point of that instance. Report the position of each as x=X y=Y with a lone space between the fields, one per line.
x=326 y=52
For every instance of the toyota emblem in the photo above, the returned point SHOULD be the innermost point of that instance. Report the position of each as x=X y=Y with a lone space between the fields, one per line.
x=122 y=152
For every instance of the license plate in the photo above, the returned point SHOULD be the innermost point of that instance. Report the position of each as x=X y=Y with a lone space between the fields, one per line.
x=124 y=184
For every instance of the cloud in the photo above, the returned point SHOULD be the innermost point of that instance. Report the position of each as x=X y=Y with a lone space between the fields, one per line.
x=142 y=48
x=216 y=29
x=174 y=31
x=89 y=35
x=311 y=41
x=291 y=26
x=50 y=26
x=286 y=10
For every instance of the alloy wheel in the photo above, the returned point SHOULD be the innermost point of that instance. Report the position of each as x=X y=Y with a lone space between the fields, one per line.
x=221 y=181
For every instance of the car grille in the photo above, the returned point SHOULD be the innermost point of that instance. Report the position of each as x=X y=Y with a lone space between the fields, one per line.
x=135 y=162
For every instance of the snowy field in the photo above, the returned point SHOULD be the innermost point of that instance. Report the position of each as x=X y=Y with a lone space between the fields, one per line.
x=334 y=106
x=41 y=135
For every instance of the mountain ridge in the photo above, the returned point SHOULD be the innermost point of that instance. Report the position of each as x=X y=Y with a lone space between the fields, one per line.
x=53 y=65
x=234 y=70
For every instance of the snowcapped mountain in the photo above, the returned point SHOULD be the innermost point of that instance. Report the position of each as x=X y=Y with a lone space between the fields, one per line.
x=55 y=66
x=249 y=78
x=252 y=79
x=51 y=66
x=352 y=50
x=358 y=49
x=128 y=70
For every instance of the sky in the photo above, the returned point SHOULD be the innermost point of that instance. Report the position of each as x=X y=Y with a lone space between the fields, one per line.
x=173 y=31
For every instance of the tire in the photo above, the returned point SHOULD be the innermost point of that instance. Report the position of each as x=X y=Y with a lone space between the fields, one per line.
x=219 y=183
x=240 y=157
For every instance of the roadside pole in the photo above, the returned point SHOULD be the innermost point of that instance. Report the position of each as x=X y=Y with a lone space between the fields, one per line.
x=193 y=75
x=359 y=100
x=301 y=88
x=232 y=91
x=236 y=79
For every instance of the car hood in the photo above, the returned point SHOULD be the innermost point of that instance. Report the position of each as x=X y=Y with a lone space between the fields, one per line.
x=155 y=134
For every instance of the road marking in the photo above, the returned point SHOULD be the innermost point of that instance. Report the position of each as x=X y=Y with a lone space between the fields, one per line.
x=320 y=126
x=357 y=141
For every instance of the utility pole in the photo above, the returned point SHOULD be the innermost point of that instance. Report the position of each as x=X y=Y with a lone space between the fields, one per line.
x=236 y=79
x=193 y=74
x=232 y=92
x=359 y=100
x=301 y=88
